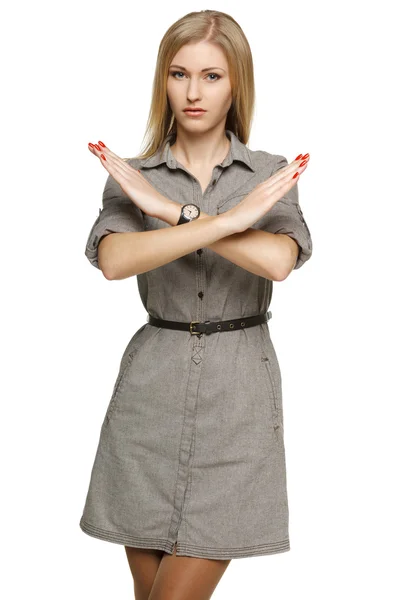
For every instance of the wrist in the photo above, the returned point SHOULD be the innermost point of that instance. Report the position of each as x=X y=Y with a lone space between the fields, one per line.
x=169 y=212
x=227 y=224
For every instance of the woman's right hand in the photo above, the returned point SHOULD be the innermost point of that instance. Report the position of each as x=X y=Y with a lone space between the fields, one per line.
x=131 y=181
x=264 y=196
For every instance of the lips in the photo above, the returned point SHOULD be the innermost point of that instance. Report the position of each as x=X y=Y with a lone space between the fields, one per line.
x=194 y=110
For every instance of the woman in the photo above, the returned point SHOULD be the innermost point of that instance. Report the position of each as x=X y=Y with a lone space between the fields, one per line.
x=190 y=467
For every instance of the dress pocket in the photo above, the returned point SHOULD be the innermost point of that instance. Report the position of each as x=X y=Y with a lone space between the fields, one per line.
x=137 y=344
x=273 y=391
x=118 y=386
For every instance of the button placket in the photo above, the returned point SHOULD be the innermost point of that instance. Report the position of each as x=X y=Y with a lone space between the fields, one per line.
x=201 y=199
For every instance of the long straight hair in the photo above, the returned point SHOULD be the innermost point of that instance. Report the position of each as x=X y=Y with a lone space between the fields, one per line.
x=211 y=26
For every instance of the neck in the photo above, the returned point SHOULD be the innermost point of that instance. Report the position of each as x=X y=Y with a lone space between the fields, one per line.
x=196 y=150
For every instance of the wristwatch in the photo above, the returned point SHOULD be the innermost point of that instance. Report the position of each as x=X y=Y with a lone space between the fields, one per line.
x=189 y=212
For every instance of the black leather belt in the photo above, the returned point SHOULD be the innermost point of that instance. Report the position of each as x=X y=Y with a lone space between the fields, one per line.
x=200 y=327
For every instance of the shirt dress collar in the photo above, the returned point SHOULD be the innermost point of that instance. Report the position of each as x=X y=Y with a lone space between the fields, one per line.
x=238 y=151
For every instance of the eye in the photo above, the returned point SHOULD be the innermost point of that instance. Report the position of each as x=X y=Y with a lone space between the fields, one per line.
x=173 y=73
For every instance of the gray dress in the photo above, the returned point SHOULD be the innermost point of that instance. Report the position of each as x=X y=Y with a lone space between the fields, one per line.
x=191 y=450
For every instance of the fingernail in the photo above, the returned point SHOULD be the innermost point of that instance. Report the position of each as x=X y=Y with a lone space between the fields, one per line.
x=91 y=145
x=303 y=163
x=97 y=147
x=103 y=157
x=295 y=175
x=306 y=155
x=101 y=144
x=298 y=157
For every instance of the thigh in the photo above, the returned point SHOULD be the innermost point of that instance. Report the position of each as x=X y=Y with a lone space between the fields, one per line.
x=185 y=577
x=143 y=564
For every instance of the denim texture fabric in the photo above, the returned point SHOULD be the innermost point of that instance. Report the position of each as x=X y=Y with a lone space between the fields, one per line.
x=191 y=450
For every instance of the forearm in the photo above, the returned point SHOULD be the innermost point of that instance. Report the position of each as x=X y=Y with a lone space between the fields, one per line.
x=260 y=252
x=123 y=255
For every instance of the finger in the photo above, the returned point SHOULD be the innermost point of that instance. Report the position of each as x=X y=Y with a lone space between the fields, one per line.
x=285 y=173
x=281 y=187
x=289 y=169
x=119 y=163
x=116 y=166
x=120 y=171
x=97 y=150
x=106 y=151
x=299 y=170
x=107 y=158
x=110 y=154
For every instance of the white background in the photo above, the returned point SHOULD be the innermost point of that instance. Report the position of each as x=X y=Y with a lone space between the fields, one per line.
x=326 y=79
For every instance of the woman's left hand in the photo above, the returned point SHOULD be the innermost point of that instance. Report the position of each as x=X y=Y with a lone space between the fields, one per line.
x=132 y=182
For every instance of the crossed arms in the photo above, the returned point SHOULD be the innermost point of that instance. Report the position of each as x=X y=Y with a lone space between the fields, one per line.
x=268 y=255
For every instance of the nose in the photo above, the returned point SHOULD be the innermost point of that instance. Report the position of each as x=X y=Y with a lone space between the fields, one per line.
x=193 y=92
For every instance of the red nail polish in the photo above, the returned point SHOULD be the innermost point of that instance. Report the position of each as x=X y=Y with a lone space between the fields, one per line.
x=101 y=144
x=298 y=157
x=103 y=157
x=303 y=163
x=306 y=155
x=97 y=147
x=295 y=175
x=91 y=145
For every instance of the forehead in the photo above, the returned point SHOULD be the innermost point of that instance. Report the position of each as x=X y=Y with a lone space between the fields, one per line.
x=200 y=55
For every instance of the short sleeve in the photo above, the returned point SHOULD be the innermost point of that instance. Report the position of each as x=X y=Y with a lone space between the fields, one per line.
x=118 y=215
x=287 y=217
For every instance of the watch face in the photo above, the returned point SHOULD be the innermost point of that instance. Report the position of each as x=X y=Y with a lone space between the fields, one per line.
x=190 y=211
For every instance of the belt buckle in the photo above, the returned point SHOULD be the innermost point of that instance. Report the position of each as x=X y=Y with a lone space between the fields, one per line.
x=190 y=328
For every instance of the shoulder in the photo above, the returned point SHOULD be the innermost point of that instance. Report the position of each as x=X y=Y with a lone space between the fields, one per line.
x=265 y=161
x=133 y=162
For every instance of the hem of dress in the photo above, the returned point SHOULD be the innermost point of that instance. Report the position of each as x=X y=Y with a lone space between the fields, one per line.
x=182 y=548
x=125 y=539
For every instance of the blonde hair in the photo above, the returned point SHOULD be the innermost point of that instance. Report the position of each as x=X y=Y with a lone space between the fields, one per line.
x=211 y=26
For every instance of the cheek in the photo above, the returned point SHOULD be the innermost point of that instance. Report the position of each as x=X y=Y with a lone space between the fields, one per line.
x=225 y=103
x=171 y=92
x=223 y=96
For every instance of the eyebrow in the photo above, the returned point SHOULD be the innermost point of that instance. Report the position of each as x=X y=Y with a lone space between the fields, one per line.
x=202 y=71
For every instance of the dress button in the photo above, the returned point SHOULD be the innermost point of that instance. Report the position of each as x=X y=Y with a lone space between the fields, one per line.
x=199 y=251
x=200 y=294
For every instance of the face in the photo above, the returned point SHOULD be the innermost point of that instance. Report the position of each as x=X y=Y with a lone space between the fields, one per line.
x=189 y=85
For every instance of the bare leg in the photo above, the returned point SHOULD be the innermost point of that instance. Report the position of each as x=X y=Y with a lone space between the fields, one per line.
x=187 y=578
x=143 y=564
